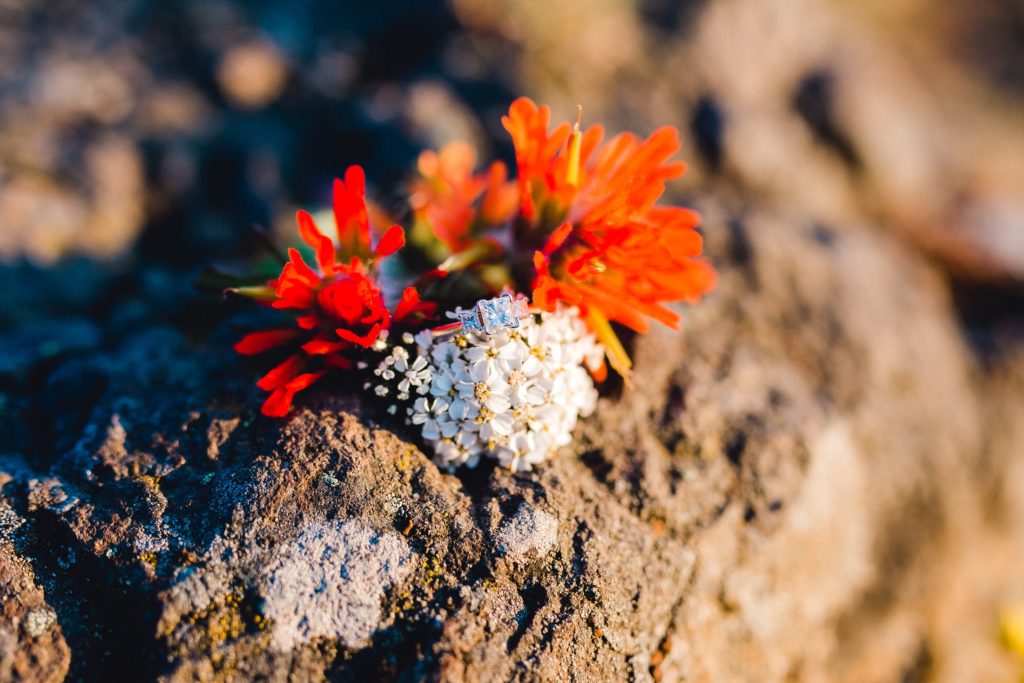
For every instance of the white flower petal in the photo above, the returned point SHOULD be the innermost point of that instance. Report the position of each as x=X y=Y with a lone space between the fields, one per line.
x=498 y=403
x=431 y=431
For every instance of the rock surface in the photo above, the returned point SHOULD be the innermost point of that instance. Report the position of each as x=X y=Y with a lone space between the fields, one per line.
x=31 y=644
x=789 y=491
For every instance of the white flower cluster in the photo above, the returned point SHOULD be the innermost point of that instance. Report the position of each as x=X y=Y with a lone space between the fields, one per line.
x=400 y=376
x=515 y=395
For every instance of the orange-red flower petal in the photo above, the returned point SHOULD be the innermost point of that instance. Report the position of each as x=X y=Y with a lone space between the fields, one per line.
x=280 y=400
x=350 y=213
x=258 y=342
x=392 y=241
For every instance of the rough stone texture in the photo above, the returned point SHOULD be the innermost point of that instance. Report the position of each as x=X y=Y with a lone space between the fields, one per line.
x=329 y=582
x=786 y=497
x=819 y=479
x=32 y=647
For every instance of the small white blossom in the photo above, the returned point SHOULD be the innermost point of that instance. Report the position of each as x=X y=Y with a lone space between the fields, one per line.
x=382 y=341
x=402 y=376
x=524 y=450
x=492 y=357
x=415 y=375
x=430 y=414
x=445 y=381
x=492 y=394
x=462 y=449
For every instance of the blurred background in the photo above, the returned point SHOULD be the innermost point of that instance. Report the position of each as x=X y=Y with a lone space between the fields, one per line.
x=140 y=140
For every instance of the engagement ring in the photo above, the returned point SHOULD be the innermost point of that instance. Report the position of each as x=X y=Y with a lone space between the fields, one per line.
x=492 y=315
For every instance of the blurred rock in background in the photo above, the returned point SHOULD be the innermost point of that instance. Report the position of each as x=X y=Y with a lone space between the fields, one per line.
x=825 y=480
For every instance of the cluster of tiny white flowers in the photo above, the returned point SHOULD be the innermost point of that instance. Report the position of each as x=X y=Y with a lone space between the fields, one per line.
x=399 y=377
x=515 y=395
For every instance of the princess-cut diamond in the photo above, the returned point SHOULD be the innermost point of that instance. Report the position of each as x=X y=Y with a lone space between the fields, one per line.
x=498 y=313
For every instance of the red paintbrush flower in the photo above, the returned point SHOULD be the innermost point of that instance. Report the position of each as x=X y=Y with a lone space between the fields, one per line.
x=339 y=304
x=607 y=248
x=457 y=203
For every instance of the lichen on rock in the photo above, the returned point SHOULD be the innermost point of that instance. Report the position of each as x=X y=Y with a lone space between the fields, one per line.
x=328 y=582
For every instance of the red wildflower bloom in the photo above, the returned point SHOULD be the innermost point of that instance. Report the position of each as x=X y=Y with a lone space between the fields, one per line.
x=456 y=202
x=609 y=249
x=340 y=307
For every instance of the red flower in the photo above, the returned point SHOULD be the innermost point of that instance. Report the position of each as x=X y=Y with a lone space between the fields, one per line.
x=339 y=305
x=456 y=202
x=609 y=249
